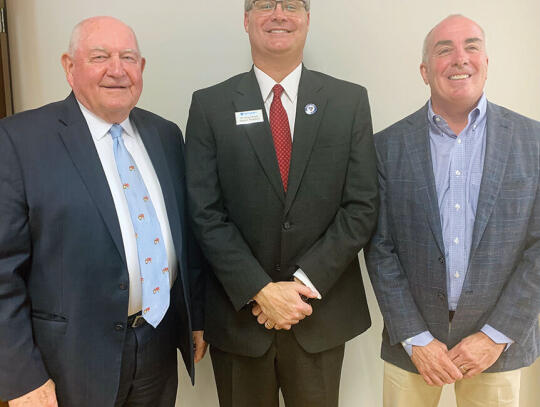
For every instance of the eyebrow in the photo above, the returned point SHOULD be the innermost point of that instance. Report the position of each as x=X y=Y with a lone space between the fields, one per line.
x=124 y=51
x=450 y=42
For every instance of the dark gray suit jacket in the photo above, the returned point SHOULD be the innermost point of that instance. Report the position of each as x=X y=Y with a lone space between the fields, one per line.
x=406 y=256
x=253 y=233
x=63 y=273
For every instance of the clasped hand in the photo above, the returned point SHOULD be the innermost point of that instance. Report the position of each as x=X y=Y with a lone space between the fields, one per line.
x=280 y=305
x=471 y=356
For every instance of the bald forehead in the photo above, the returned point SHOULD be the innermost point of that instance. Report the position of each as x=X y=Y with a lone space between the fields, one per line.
x=90 y=26
x=450 y=28
x=455 y=23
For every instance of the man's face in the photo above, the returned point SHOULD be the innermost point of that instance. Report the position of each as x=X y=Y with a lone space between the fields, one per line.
x=277 y=33
x=456 y=64
x=105 y=71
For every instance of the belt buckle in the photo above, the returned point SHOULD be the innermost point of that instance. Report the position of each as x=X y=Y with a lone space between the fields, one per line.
x=138 y=321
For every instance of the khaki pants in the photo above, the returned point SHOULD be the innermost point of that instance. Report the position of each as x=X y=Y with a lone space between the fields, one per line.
x=405 y=389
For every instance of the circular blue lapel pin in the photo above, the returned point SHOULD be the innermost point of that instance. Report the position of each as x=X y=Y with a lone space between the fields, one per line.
x=310 y=109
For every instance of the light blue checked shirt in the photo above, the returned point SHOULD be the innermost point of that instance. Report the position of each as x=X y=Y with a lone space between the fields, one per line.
x=458 y=162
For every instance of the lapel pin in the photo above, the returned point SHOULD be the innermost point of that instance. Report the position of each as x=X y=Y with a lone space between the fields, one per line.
x=310 y=109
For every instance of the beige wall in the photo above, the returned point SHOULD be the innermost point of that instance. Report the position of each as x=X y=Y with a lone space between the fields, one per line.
x=193 y=44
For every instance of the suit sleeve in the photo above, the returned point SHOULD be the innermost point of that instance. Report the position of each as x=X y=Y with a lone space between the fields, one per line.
x=355 y=219
x=195 y=261
x=518 y=307
x=221 y=242
x=401 y=315
x=21 y=366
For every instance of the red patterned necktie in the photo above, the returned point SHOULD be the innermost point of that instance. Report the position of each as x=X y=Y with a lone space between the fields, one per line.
x=281 y=133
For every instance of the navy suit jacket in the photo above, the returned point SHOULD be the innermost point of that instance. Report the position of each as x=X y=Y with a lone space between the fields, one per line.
x=406 y=257
x=63 y=273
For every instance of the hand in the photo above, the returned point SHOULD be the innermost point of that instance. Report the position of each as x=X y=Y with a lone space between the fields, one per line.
x=199 y=345
x=475 y=353
x=262 y=318
x=434 y=365
x=282 y=303
x=43 y=396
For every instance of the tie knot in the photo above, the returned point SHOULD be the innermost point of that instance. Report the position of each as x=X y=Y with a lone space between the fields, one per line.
x=278 y=90
x=116 y=131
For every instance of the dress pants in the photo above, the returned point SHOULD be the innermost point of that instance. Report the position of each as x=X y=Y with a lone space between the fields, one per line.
x=305 y=379
x=405 y=389
x=148 y=375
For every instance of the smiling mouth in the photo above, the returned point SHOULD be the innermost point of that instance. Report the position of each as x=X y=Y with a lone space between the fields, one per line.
x=459 y=77
x=278 y=31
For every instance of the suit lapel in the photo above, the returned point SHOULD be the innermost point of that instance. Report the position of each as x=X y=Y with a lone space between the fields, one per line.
x=310 y=90
x=78 y=141
x=419 y=151
x=498 y=146
x=154 y=147
x=248 y=97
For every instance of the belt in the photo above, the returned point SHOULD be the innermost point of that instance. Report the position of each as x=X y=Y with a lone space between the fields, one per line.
x=136 y=320
x=451 y=315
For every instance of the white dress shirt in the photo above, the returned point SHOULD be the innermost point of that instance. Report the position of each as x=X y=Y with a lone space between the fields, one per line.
x=99 y=129
x=289 y=97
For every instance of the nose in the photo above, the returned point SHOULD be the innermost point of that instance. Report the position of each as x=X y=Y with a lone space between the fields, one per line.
x=115 y=66
x=461 y=57
x=278 y=13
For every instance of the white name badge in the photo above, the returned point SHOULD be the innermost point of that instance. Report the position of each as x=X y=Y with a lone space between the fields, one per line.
x=249 y=116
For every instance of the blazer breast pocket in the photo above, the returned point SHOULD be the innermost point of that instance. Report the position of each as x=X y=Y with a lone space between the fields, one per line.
x=520 y=184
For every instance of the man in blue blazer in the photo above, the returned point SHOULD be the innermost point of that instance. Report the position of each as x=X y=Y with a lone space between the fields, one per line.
x=84 y=321
x=455 y=261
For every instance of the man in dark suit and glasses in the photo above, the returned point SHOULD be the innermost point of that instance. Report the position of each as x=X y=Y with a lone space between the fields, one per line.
x=283 y=192
x=99 y=276
x=455 y=261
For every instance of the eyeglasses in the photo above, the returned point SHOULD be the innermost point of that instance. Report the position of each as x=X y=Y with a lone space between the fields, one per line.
x=288 y=6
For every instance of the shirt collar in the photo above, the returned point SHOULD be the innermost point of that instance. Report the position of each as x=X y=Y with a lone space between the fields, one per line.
x=99 y=128
x=476 y=115
x=290 y=83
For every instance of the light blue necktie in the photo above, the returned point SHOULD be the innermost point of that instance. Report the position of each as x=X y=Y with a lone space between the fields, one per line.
x=150 y=245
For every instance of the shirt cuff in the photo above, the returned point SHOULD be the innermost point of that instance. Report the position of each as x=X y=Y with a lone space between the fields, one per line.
x=496 y=336
x=300 y=275
x=422 y=339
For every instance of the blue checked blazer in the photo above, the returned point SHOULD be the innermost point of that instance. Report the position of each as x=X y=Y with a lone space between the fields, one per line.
x=406 y=259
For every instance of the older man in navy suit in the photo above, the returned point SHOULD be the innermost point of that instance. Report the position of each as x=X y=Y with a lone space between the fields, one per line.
x=99 y=278
x=455 y=262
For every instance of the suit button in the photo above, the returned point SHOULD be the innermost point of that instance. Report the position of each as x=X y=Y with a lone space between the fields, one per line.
x=287 y=225
x=441 y=260
x=119 y=327
x=277 y=267
x=441 y=295
x=123 y=286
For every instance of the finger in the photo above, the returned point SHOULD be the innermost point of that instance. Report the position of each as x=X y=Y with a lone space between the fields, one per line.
x=286 y=327
x=472 y=372
x=256 y=310
x=434 y=379
x=428 y=380
x=262 y=318
x=269 y=324
x=305 y=309
x=452 y=371
x=304 y=290
x=277 y=327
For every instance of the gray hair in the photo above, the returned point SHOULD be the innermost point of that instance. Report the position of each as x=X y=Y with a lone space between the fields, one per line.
x=425 y=46
x=77 y=31
x=249 y=3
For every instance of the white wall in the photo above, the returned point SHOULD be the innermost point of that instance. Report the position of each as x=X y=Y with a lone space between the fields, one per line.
x=197 y=43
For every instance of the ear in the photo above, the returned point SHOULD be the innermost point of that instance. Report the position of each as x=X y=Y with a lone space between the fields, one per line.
x=67 y=63
x=424 y=73
x=143 y=64
x=246 y=21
